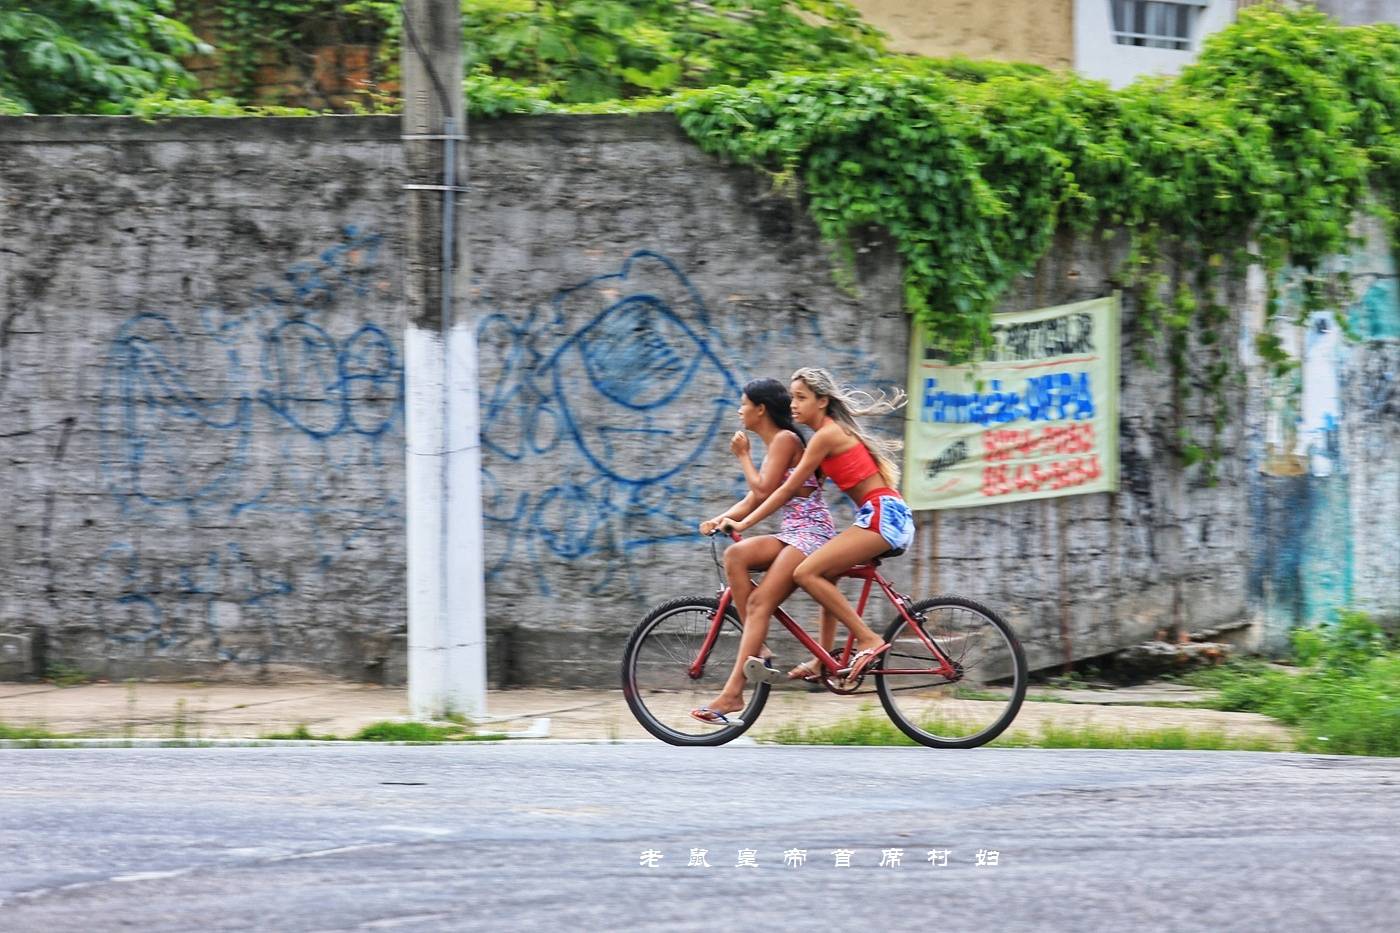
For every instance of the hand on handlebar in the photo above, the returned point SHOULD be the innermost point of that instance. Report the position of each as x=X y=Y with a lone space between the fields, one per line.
x=721 y=525
x=727 y=526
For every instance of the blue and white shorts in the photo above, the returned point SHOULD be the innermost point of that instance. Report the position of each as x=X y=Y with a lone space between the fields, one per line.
x=886 y=514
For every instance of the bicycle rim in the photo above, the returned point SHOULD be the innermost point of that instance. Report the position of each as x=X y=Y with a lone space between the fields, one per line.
x=978 y=703
x=656 y=672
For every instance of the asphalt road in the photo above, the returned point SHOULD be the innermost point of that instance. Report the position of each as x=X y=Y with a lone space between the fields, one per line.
x=521 y=837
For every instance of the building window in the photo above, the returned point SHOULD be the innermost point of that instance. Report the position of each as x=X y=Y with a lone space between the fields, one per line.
x=1158 y=24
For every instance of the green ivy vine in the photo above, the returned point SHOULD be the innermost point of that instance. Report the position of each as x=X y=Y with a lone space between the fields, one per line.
x=1284 y=130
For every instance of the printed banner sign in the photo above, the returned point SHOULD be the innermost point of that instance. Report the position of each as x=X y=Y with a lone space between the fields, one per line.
x=1036 y=418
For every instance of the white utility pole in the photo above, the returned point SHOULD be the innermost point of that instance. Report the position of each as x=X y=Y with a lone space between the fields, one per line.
x=446 y=589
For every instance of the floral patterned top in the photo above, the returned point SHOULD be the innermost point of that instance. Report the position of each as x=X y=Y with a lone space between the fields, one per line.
x=807 y=523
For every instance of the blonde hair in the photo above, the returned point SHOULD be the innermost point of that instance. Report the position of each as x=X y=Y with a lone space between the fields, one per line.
x=846 y=403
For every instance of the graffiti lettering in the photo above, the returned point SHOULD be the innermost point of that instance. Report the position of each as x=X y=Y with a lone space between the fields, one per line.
x=602 y=416
x=278 y=409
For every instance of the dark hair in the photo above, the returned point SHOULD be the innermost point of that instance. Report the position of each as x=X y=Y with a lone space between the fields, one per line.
x=774 y=397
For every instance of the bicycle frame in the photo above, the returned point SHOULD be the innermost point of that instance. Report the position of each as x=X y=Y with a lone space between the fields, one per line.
x=871 y=576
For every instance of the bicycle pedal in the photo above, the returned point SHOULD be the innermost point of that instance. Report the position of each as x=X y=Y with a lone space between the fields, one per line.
x=758 y=672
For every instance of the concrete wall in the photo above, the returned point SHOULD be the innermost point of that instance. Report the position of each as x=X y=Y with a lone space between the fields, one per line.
x=201 y=382
x=201 y=415
x=1082 y=575
x=1036 y=31
x=628 y=286
x=1361 y=12
x=1326 y=452
x=200 y=393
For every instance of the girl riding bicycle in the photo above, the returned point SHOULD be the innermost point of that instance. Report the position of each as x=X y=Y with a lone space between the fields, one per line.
x=863 y=467
x=766 y=409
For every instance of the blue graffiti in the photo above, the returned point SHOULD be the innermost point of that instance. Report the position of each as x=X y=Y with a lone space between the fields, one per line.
x=194 y=606
x=618 y=392
x=270 y=409
x=1053 y=397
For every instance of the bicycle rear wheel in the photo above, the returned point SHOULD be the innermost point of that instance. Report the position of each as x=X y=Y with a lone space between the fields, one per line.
x=657 y=678
x=984 y=694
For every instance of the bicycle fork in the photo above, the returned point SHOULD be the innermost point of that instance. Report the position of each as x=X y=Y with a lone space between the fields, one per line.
x=697 y=665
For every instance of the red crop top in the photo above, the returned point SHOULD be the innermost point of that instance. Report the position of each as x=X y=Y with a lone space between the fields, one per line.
x=850 y=468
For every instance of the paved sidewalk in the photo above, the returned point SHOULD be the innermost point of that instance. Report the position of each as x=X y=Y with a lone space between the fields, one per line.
x=213 y=711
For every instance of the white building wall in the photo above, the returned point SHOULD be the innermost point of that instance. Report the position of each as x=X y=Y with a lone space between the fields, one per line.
x=1096 y=55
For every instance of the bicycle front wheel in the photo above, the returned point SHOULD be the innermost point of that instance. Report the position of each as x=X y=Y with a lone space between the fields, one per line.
x=667 y=671
x=976 y=701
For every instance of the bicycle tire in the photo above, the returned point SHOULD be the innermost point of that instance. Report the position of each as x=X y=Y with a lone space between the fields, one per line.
x=1009 y=653
x=659 y=712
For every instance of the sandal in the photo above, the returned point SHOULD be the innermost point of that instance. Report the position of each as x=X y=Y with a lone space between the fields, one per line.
x=809 y=670
x=714 y=717
x=863 y=659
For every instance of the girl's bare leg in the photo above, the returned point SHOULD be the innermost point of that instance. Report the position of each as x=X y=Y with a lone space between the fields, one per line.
x=816 y=575
x=775 y=587
x=826 y=637
x=744 y=558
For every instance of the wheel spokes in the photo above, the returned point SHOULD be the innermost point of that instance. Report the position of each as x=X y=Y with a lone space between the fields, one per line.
x=970 y=704
x=661 y=669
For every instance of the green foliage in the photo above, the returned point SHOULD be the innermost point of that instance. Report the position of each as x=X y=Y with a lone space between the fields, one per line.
x=27 y=733
x=521 y=54
x=489 y=96
x=871 y=729
x=167 y=103
x=388 y=731
x=1345 y=699
x=1276 y=134
x=587 y=51
x=89 y=56
x=66 y=675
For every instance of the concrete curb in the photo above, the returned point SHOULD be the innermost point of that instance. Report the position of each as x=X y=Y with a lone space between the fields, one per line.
x=304 y=743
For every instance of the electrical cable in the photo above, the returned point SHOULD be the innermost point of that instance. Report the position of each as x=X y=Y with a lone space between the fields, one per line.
x=426 y=61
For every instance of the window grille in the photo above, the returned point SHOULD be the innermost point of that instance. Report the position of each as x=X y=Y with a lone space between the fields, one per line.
x=1158 y=24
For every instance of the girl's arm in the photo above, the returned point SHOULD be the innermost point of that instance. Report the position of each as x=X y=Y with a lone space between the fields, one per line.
x=763 y=482
x=735 y=511
x=816 y=451
x=739 y=447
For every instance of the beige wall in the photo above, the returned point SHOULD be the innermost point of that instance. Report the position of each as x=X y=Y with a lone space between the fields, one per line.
x=1039 y=31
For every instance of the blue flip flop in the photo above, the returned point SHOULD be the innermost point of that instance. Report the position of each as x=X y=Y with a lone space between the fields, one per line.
x=714 y=717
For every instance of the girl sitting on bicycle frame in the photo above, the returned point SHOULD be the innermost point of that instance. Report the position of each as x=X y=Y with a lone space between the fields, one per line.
x=863 y=467
x=766 y=409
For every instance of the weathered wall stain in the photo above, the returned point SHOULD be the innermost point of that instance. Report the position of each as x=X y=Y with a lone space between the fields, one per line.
x=1325 y=529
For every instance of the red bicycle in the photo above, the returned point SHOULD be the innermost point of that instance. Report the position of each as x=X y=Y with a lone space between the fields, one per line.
x=954 y=676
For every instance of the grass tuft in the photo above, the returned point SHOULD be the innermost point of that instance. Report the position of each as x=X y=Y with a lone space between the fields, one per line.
x=422 y=732
x=872 y=729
